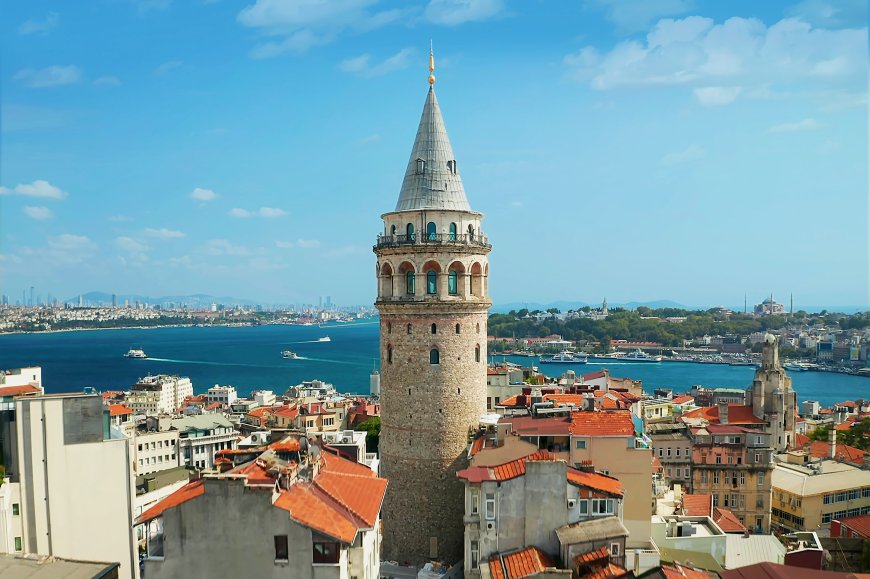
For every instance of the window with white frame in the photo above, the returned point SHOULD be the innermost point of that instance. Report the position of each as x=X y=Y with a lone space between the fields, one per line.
x=614 y=549
x=583 y=505
x=581 y=444
x=475 y=502
x=475 y=554
x=602 y=506
x=489 y=505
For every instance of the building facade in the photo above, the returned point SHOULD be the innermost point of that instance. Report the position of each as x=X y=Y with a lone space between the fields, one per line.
x=773 y=399
x=433 y=301
x=201 y=436
x=161 y=394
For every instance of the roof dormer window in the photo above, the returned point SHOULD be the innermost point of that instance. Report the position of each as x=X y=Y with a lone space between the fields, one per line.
x=421 y=166
x=451 y=166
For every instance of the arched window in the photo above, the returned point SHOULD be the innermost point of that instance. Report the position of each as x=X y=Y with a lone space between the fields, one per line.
x=471 y=232
x=389 y=354
x=478 y=328
x=434 y=329
x=452 y=283
x=452 y=232
x=421 y=166
x=409 y=283
x=434 y=356
x=477 y=353
x=431 y=231
x=431 y=282
x=409 y=231
x=393 y=230
x=389 y=327
x=457 y=328
x=409 y=328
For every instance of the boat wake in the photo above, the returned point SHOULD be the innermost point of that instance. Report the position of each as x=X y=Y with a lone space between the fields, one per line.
x=208 y=363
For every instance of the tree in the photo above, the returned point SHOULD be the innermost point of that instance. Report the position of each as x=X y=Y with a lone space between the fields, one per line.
x=372 y=428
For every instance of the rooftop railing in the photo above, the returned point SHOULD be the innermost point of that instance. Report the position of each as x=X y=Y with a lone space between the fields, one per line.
x=479 y=240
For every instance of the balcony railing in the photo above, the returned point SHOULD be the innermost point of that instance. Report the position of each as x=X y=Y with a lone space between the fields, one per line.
x=431 y=239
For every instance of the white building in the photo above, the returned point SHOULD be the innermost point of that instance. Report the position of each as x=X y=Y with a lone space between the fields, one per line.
x=75 y=486
x=161 y=394
x=201 y=436
x=156 y=450
x=223 y=394
x=22 y=377
x=263 y=397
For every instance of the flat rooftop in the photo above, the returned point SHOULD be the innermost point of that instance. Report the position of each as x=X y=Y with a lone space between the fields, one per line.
x=13 y=567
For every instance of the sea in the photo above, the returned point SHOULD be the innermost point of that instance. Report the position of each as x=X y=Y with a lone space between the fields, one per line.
x=249 y=358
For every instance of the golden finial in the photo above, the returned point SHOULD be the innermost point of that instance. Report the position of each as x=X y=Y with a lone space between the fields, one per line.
x=431 y=64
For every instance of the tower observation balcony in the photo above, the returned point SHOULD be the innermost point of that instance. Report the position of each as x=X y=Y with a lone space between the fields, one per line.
x=432 y=239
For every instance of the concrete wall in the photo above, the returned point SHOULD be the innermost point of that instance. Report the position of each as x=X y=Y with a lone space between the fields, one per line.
x=10 y=523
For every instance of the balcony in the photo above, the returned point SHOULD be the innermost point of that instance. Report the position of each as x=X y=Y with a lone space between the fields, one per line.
x=430 y=239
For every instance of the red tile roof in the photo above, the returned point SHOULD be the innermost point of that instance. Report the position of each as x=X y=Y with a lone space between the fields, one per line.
x=819 y=449
x=697 y=505
x=256 y=472
x=119 y=409
x=601 y=424
x=737 y=414
x=530 y=426
x=843 y=426
x=19 y=390
x=592 y=556
x=515 y=401
x=182 y=495
x=611 y=570
x=332 y=462
x=361 y=495
x=287 y=445
x=801 y=440
x=507 y=471
x=727 y=521
x=567 y=399
x=677 y=571
x=859 y=524
x=847 y=403
x=525 y=563
x=597 y=481
x=594 y=375
x=315 y=509
x=682 y=399
x=477 y=445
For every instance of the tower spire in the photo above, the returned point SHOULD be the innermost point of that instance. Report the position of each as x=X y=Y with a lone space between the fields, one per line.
x=431 y=64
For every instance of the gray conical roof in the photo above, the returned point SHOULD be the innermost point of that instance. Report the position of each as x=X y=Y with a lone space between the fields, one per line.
x=432 y=184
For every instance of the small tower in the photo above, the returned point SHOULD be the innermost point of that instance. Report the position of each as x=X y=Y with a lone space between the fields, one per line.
x=432 y=297
x=773 y=399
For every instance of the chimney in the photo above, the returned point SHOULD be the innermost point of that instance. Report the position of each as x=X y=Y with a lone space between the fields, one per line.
x=723 y=413
x=832 y=442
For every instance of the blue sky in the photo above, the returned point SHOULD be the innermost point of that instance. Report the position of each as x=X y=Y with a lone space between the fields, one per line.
x=634 y=149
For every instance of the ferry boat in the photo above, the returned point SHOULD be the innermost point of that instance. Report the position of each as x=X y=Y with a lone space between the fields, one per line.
x=565 y=358
x=324 y=339
x=135 y=353
x=639 y=356
x=612 y=356
x=287 y=354
x=797 y=366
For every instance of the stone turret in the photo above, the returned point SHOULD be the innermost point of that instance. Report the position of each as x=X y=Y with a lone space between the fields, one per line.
x=432 y=297
x=773 y=399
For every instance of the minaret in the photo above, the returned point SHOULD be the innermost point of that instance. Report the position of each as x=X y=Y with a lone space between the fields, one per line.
x=433 y=303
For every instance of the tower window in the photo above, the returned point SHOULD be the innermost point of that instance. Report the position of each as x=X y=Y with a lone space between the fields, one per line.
x=457 y=328
x=409 y=283
x=452 y=283
x=451 y=166
x=477 y=353
x=471 y=232
x=389 y=355
x=478 y=328
x=421 y=166
x=431 y=282
x=409 y=328
x=393 y=230
x=409 y=231
x=389 y=327
x=434 y=356
x=452 y=232
x=434 y=329
x=431 y=231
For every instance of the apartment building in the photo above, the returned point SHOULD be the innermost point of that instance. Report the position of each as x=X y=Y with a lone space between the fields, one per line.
x=156 y=449
x=162 y=394
x=672 y=445
x=734 y=464
x=201 y=436
x=224 y=395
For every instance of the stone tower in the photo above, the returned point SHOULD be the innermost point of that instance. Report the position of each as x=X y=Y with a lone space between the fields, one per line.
x=773 y=399
x=432 y=297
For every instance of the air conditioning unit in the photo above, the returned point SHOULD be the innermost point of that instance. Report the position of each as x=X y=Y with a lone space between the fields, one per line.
x=490 y=525
x=572 y=503
x=346 y=440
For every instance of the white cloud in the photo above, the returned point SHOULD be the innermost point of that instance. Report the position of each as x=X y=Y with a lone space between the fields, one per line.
x=37 y=212
x=308 y=243
x=833 y=14
x=240 y=213
x=455 y=12
x=203 y=194
x=270 y=212
x=49 y=76
x=62 y=250
x=804 y=125
x=164 y=233
x=130 y=245
x=299 y=25
x=119 y=218
x=284 y=244
x=224 y=247
x=690 y=153
x=636 y=15
x=38 y=188
x=107 y=81
x=714 y=96
x=40 y=26
x=370 y=139
x=719 y=59
x=167 y=66
x=361 y=66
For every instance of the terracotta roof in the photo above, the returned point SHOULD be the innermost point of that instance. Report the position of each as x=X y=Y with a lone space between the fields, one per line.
x=592 y=556
x=287 y=411
x=182 y=495
x=119 y=409
x=332 y=462
x=682 y=399
x=697 y=505
x=847 y=403
x=594 y=375
x=515 y=401
x=843 y=426
x=214 y=406
x=677 y=571
x=859 y=524
x=361 y=495
x=611 y=570
x=477 y=445
x=737 y=414
x=315 y=509
x=287 y=445
x=727 y=521
x=525 y=563
x=256 y=472
x=801 y=440
x=601 y=424
x=596 y=481
x=507 y=471
x=819 y=449
x=657 y=465
x=19 y=390
x=530 y=426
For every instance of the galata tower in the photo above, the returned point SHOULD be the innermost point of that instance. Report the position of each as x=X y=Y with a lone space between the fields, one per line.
x=432 y=297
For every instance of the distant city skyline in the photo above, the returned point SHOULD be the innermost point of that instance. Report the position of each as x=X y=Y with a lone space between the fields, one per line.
x=684 y=150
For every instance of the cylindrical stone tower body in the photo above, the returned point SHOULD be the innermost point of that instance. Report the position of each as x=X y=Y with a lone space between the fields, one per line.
x=432 y=297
